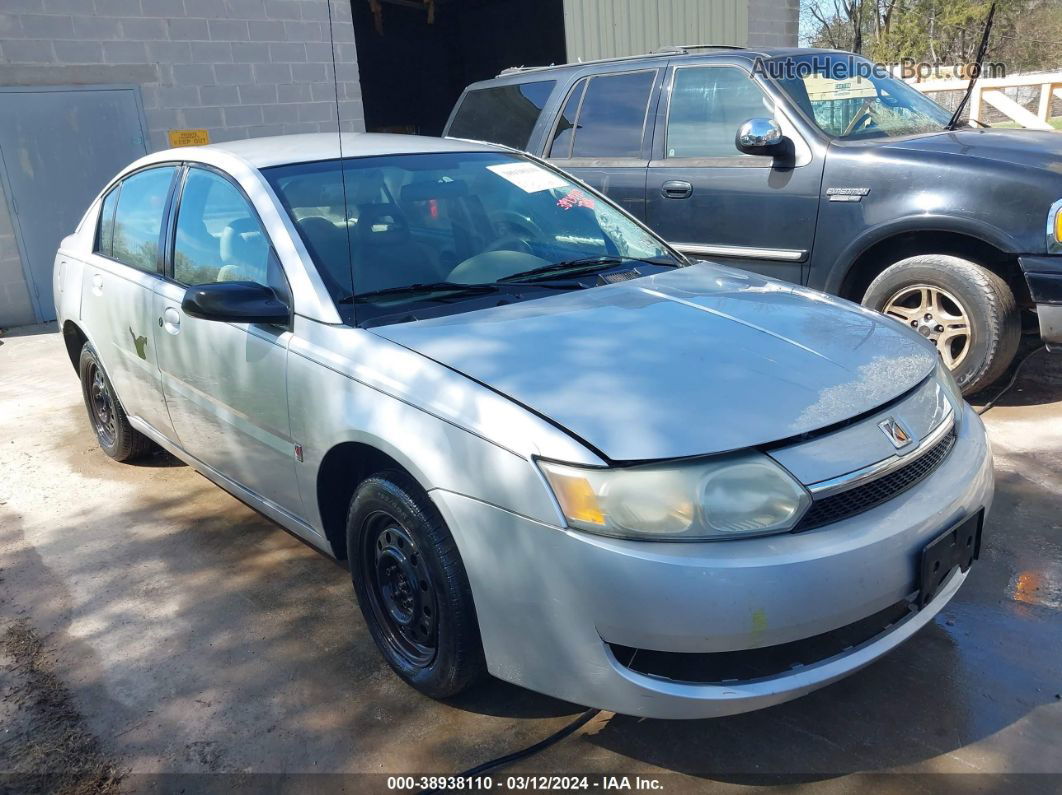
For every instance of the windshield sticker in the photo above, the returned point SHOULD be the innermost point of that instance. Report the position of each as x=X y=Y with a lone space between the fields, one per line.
x=528 y=177
x=575 y=198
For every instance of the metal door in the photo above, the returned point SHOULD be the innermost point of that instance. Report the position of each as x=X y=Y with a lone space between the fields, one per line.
x=710 y=200
x=226 y=383
x=57 y=149
x=609 y=150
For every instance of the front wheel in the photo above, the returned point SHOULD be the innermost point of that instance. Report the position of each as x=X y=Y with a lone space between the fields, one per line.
x=967 y=311
x=411 y=586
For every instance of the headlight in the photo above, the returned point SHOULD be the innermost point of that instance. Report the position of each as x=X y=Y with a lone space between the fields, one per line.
x=1054 y=228
x=951 y=388
x=737 y=495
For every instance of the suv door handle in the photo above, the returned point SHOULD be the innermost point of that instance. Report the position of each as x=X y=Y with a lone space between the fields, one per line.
x=676 y=189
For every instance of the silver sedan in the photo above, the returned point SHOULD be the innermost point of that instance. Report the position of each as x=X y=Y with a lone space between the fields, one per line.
x=550 y=447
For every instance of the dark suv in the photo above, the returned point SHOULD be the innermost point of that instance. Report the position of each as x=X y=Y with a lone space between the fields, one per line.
x=813 y=166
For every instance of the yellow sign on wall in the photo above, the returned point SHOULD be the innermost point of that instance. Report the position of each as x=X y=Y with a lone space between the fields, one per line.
x=189 y=137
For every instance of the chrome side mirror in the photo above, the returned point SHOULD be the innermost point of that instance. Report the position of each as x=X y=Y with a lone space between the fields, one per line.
x=755 y=135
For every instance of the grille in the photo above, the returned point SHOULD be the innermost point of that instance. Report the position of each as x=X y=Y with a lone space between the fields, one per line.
x=840 y=506
x=764 y=663
x=621 y=276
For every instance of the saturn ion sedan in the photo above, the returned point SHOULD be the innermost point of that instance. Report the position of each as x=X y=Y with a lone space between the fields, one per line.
x=550 y=447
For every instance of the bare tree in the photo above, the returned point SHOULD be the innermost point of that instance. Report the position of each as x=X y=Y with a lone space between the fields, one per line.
x=848 y=10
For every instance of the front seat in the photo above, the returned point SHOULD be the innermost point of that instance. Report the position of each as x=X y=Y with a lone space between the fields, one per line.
x=244 y=252
x=327 y=245
x=386 y=254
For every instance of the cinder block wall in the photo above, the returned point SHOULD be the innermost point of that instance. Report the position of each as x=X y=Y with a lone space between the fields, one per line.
x=239 y=68
x=774 y=23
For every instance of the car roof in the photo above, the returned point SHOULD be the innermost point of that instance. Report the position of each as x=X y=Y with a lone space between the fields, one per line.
x=697 y=52
x=309 y=147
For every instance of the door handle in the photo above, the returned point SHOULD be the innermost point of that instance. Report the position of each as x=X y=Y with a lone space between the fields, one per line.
x=97 y=284
x=676 y=189
x=171 y=320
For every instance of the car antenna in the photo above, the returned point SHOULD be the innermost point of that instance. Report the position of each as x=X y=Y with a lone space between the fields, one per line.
x=981 y=50
x=339 y=135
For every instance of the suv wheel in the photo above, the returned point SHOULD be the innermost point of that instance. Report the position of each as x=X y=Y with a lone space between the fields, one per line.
x=116 y=436
x=967 y=311
x=411 y=586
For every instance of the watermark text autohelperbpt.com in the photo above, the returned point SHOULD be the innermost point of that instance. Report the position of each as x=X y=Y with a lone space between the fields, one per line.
x=847 y=67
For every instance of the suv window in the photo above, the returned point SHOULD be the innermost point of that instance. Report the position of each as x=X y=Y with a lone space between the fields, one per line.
x=609 y=118
x=708 y=105
x=562 y=138
x=219 y=237
x=138 y=218
x=502 y=114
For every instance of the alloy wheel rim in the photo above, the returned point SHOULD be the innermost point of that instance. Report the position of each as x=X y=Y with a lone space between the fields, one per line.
x=102 y=404
x=938 y=316
x=401 y=590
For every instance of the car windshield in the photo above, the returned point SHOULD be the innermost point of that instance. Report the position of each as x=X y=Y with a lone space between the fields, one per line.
x=446 y=228
x=851 y=98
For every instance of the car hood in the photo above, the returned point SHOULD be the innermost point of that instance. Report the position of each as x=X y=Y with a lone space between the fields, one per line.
x=1026 y=148
x=693 y=361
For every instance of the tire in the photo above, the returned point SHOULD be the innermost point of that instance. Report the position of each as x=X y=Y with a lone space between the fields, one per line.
x=411 y=586
x=116 y=437
x=993 y=327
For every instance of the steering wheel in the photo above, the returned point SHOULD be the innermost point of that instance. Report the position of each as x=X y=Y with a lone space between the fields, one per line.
x=865 y=110
x=511 y=243
x=511 y=222
x=488 y=266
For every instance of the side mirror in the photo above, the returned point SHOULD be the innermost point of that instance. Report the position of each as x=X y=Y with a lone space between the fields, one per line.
x=235 y=302
x=757 y=135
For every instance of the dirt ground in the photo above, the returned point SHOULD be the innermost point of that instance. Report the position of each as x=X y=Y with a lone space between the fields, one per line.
x=158 y=635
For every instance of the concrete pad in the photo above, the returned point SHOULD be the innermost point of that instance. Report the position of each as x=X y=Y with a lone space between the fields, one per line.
x=195 y=636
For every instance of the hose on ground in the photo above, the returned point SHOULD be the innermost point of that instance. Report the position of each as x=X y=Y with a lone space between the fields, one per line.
x=1011 y=382
x=531 y=750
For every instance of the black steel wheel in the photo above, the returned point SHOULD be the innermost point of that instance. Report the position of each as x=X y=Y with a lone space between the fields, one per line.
x=101 y=406
x=401 y=590
x=412 y=587
x=117 y=438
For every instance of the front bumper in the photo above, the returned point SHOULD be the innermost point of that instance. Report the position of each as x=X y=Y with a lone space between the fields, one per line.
x=550 y=600
x=1044 y=277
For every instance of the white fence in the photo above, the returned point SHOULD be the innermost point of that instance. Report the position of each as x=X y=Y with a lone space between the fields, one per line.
x=990 y=91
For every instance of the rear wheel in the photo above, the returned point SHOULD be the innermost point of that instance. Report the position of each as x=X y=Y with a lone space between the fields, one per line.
x=412 y=587
x=117 y=438
x=967 y=311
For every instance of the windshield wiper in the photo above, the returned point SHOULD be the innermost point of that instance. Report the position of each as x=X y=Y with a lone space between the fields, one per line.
x=577 y=266
x=452 y=288
x=953 y=122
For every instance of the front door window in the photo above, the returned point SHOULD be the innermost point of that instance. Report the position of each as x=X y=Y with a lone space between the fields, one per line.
x=708 y=105
x=219 y=237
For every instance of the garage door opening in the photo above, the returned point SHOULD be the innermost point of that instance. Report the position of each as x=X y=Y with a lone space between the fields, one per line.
x=416 y=57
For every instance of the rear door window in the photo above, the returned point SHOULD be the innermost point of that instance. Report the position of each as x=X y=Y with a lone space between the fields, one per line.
x=105 y=231
x=610 y=118
x=501 y=114
x=565 y=133
x=138 y=218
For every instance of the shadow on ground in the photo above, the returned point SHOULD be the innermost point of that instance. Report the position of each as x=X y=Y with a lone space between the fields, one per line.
x=197 y=636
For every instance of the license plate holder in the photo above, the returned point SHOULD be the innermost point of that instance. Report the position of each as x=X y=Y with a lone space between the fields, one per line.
x=959 y=545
